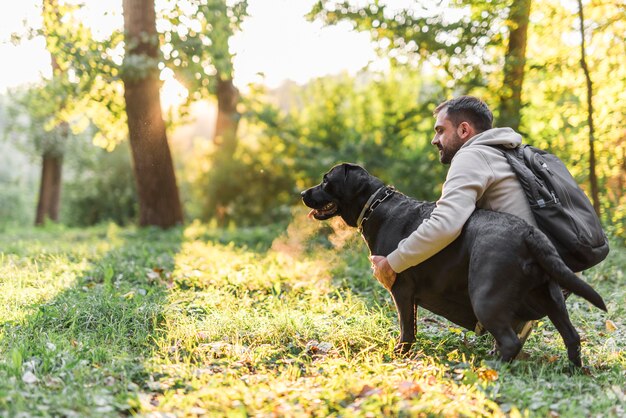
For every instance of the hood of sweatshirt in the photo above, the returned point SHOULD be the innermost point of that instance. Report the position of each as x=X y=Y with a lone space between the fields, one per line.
x=496 y=136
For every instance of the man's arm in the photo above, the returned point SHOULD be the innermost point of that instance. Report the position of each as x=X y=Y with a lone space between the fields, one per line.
x=469 y=175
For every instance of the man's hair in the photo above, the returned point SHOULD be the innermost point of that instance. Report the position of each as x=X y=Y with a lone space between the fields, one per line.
x=468 y=109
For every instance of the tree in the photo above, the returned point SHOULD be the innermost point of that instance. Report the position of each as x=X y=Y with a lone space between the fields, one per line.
x=52 y=159
x=81 y=94
x=514 y=62
x=555 y=91
x=159 y=201
x=197 y=33
x=593 y=179
x=459 y=43
x=468 y=48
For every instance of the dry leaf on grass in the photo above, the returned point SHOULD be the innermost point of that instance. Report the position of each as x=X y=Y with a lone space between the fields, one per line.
x=610 y=326
x=410 y=389
x=367 y=391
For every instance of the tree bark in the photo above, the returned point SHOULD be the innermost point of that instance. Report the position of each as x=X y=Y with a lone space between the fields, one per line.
x=159 y=201
x=593 y=179
x=227 y=116
x=514 y=63
x=50 y=188
x=225 y=140
x=49 y=200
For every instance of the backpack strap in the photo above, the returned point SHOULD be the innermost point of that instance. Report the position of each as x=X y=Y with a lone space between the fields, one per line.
x=528 y=179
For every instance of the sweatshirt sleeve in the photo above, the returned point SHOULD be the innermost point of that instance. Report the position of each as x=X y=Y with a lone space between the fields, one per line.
x=468 y=177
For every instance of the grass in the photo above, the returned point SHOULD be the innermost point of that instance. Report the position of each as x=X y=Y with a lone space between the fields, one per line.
x=266 y=322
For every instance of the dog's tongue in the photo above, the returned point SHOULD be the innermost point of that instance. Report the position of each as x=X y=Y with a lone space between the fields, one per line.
x=310 y=215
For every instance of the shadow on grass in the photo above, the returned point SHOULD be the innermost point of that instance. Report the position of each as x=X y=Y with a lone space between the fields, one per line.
x=81 y=352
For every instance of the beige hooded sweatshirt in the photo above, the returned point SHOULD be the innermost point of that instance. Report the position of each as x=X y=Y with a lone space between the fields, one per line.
x=479 y=176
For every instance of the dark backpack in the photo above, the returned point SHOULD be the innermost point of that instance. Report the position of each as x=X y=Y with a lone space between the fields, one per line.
x=562 y=210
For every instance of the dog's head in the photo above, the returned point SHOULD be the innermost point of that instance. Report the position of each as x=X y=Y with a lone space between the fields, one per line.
x=344 y=190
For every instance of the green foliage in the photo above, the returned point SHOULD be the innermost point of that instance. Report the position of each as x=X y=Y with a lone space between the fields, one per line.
x=100 y=187
x=195 y=36
x=17 y=179
x=555 y=115
x=467 y=43
x=458 y=36
x=108 y=321
x=381 y=121
x=32 y=120
x=87 y=75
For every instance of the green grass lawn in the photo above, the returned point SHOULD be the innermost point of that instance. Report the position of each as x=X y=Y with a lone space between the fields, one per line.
x=197 y=321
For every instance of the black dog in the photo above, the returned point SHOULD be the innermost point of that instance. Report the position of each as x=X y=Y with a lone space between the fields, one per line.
x=500 y=271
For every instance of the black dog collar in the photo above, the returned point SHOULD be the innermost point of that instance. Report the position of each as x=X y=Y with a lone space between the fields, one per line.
x=373 y=204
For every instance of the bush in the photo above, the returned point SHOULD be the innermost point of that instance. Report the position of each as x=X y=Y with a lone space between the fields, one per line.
x=383 y=123
x=100 y=187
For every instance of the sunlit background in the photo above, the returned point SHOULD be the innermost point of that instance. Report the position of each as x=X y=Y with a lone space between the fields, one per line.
x=276 y=43
x=317 y=88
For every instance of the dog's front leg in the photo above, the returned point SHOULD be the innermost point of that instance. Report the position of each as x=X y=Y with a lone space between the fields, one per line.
x=404 y=298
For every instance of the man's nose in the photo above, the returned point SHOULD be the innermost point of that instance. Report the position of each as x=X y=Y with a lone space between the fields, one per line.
x=434 y=141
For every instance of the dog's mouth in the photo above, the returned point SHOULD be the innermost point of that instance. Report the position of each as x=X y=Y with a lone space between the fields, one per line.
x=329 y=210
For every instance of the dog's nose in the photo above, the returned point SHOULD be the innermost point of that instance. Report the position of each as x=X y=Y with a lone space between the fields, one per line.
x=302 y=193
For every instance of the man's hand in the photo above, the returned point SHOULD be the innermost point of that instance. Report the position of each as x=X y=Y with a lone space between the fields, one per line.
x=383 y=271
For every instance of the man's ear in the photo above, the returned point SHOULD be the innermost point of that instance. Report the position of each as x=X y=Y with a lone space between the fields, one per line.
x=465 y=130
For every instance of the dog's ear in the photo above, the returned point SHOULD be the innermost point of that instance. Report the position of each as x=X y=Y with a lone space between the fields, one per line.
x=349 y=166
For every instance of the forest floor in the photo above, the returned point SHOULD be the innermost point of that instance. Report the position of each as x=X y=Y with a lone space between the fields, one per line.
x=201 y=321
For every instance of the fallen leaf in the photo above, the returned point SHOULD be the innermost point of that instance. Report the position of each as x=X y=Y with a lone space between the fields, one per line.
x=53 y=382
x=489 y=375
x=324 y=347
x=610 y=326
x=29 y=378
x=311 y=346
x=367 y=391
x=315 y=347
x=410 y=389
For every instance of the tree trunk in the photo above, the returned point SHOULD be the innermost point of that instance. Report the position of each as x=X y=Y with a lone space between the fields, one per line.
x=159 y=201
x=227 y=117
x=514 y=62
x=50 y=188
x=225 y=140
x=49 y=199
x=593 y=179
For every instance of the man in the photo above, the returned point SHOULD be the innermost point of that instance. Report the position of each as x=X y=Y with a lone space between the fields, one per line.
x=479 y=176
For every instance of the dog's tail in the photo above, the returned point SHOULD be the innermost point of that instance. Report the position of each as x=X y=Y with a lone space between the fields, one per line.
x=547 y=256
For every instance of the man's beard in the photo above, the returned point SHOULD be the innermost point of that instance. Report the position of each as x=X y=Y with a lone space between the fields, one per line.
x=448 y=152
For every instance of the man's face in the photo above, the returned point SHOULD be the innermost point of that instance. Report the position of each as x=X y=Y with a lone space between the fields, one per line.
x=446 y=137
